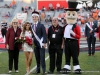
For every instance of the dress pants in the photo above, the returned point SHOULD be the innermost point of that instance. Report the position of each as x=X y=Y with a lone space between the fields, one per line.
x=13 y=56
x=55 y=55
x=71 y=50
x=90 y=41
x=40 y=58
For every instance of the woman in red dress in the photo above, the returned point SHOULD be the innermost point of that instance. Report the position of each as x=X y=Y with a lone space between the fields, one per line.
x=13 y=48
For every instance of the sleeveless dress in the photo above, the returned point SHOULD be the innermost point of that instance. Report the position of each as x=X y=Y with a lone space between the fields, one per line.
x=26 y=47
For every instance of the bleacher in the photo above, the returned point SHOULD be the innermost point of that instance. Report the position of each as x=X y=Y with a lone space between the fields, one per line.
x=3 y=10
x=13 y=12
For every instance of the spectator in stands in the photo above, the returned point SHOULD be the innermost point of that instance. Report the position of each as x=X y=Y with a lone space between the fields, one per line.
x=43 y=8
x=50 y=5
x=12 y=47
x=57 y=6
x=50 y=19
x=64 y=22
x=42 y=16
x=7 y=6
x=46 y=20
x=7 y=14
x=29 y=8
x=51 y=8
x=13 y=4
x=22 y=9
x=3 y=29
x=26 y=9
x=62 y=8
x=79 y=22
x=99 y=14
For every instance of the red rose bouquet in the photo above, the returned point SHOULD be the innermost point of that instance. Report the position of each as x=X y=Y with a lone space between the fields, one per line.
x=29 y=41
x=26 y=39
x=19 y=39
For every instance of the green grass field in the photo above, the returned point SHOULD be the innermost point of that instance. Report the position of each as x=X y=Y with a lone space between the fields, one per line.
x=90 y=64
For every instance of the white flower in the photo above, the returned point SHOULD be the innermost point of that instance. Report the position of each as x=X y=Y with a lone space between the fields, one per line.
x=15 y=38
x=24 y=38
x=19 y=37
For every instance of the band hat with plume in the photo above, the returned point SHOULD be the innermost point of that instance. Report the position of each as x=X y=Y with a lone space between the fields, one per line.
x=35 y=13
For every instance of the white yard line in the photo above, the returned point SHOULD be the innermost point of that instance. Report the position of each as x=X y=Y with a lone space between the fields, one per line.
x=36 y=66
x=5 y=74
x=0 y=52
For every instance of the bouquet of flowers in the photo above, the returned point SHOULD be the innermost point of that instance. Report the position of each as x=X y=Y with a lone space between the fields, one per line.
x=29 y=41
x=19 y=39
x=26 y=39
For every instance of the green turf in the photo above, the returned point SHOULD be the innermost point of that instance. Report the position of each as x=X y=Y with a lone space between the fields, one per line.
x=89 y=64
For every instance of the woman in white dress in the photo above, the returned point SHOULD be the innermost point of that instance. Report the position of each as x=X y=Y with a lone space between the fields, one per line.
x=28 y=50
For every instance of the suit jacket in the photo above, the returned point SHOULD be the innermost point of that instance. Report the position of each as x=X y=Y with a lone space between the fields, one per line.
x=10 y=38
x=40 y=32
x=76 y=30
x=99 y=32
x=87 y=30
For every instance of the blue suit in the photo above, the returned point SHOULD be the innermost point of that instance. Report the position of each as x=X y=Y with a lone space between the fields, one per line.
x=40 y=52
x=91 y=38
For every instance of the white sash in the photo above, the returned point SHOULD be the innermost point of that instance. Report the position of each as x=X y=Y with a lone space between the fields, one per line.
x=91 y=29
x=38 y=39
x=89 y=26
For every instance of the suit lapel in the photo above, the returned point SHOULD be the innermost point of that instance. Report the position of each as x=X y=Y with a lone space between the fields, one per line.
x=32 y=26
x=73 y=27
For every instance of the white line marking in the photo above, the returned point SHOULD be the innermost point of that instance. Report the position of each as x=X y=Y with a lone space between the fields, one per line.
x=0 y=52
x=5 y=74
x=36 y=66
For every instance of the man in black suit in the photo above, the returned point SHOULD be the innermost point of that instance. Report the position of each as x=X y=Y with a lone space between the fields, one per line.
x=90 y=29
x=39 y=50
x=56 y=44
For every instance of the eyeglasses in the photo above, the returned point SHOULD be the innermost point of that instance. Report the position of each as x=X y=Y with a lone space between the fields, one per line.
x=54 y=20
x=15 y=22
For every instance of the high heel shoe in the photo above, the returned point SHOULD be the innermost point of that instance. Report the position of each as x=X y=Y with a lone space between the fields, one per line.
x=28 y=70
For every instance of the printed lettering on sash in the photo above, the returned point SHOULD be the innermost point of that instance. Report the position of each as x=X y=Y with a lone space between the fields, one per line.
x=53 y=35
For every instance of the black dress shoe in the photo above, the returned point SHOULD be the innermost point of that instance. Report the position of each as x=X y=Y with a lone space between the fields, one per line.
x=93 y=54
x=36 y=72
x=78 y=71
x=89 y=54
x=58 y=72
x=44 y=73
